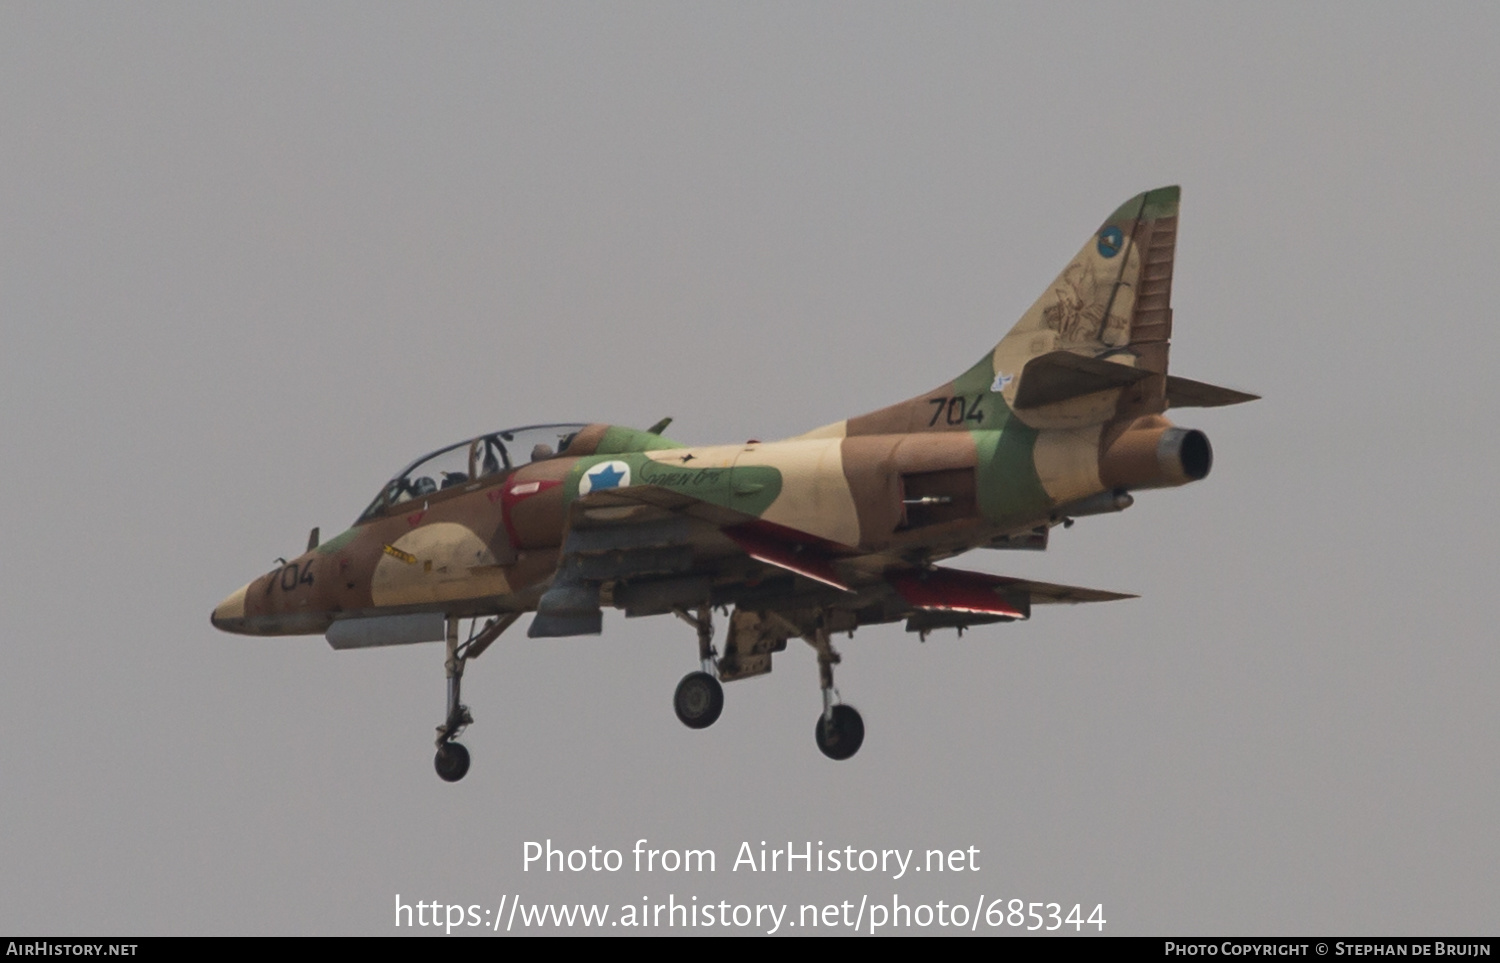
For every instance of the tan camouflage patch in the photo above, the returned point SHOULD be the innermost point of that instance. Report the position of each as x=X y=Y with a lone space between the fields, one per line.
x=1067 y=462
x=232 y=607
x=452 y=563
x=815 y=497
x=839 y=429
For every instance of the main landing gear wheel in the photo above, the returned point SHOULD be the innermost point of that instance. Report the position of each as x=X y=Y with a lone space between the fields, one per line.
x=451 y=761
x=698 y=700
x=840 y=737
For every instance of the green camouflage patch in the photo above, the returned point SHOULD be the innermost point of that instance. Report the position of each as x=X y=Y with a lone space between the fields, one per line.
x=619 y=441
x=338 y=541
x=1009 y=486
x=747 y=488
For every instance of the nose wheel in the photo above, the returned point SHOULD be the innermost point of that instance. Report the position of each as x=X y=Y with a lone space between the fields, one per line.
x=451 y=761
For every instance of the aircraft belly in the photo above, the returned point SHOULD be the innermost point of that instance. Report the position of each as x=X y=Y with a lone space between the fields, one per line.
x=382 y=630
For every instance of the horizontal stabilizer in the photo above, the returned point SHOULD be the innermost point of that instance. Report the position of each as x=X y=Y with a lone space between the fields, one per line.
x=1186 y=393
x=1060 y=375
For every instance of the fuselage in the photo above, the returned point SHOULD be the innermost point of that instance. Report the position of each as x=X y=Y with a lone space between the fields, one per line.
x=487 y=542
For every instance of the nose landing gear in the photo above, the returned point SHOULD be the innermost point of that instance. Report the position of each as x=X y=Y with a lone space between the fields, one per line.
x=452 y=759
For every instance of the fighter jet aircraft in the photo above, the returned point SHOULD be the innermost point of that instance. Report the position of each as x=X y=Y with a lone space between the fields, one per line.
x=803 y=538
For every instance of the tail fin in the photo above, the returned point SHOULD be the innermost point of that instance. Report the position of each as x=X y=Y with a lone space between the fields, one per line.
x=1095 y=345
x=1092 y=348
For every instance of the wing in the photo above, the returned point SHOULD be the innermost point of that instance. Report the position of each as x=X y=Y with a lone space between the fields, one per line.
x=648 y=550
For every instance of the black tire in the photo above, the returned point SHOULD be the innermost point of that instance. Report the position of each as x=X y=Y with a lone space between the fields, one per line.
x=842 y=737
x=698 y=700
x=451 y=762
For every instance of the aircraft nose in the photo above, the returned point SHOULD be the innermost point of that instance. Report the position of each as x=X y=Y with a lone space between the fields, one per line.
x=229 y=614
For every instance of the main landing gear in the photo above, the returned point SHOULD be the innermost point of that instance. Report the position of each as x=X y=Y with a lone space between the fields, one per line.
x=452 y=759
x=699 y=697
x=698 y=700
x=840 y=730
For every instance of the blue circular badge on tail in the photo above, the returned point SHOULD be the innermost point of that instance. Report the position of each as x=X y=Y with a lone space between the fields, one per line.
x=1111 y=239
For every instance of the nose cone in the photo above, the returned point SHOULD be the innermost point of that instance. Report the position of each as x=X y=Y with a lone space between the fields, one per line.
x=229 y=615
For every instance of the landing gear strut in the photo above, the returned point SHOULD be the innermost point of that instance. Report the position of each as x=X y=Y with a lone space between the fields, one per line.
x=840 y=730
x=699 y=697
x=452 y=759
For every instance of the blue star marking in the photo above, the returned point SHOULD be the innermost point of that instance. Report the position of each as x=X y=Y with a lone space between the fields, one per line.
x=605 y=476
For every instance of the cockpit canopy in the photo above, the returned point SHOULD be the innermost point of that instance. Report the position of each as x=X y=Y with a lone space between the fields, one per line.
x=469 y=461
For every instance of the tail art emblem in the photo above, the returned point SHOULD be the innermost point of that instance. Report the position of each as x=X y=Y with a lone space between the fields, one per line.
x=1110 y=241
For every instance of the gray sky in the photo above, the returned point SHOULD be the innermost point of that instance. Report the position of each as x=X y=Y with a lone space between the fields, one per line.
x=255 y=257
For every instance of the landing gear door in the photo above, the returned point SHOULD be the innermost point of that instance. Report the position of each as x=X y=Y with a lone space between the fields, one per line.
x=752 y=639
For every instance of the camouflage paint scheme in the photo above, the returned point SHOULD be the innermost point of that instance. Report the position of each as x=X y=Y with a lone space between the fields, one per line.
x=820 y=533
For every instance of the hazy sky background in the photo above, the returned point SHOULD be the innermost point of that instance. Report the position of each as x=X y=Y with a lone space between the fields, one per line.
x=256 y=257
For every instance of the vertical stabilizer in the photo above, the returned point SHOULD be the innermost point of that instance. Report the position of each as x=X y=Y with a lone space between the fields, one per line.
x=1091 y=349
x=1094 y=345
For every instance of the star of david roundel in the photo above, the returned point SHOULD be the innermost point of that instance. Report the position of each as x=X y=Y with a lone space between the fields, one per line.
x=609 y=474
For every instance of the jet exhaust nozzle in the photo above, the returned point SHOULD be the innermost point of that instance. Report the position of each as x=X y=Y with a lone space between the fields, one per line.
x=1156 y=456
